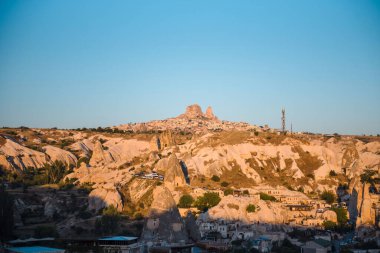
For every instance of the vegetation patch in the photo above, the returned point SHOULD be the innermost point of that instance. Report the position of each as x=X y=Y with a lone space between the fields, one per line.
x=233 y=206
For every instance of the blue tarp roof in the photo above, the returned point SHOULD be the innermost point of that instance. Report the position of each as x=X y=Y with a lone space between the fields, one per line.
x=118 y=238
x=34 y=249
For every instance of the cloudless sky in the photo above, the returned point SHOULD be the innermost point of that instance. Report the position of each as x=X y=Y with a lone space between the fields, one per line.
x=71 y=64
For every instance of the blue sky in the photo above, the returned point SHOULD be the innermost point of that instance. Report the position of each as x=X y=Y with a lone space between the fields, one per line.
x=100 y=63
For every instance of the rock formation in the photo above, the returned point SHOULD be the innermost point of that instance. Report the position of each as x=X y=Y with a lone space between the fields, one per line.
x=174 y=176
x=166 y=139
x=105 y=196
x=14 y=156
x=192 y=112
x=100 y=156
x=57 y=154
x=154 y=144
x=192 y=227
x=366 y=215
x=195 y=112
x=209 y=114
x=164 y=222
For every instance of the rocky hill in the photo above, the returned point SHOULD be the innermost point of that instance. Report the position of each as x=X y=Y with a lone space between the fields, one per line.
x=127 y=169
x=193 y=121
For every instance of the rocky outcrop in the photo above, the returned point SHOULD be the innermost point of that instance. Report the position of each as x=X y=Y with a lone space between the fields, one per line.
x=192 y=112
x=164 y=222
x=154 y=144
x=235 y=208
x=105 y=196
x=57 y=154
x=100 y=157
x=366 y=214
x=166 y=139
x=329 y=215
x=209 y=114
x=192 y=227
x=195 y=112
x=14 y=156
x=174 y=176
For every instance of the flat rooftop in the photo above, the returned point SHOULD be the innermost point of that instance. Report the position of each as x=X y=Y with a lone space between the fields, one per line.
x=35 y=249
x=118 y=238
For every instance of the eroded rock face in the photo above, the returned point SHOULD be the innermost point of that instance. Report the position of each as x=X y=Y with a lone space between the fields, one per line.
x=209 y=114
x=366 y=215
x=192 y=227
x=100 y=156
x=154 y=144
x=174 y=176
x=330 y=216
x=193 y=111
x=166 y=139
x=57 y=154
x=103 y=197
x=14 y=156
x=164 y=221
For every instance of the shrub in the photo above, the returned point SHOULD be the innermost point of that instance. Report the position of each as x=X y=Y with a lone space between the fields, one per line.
x=228 y=191
x=108 y=223
x=366 y=177
x=341 y=215
x=328 y=196
x=83 y=159
x=215 y=178
x=265 y=196
x=224 y=184
x=185 y=201
x=251 y=208
x=329 y=225
x=233 y=206
x=332 y=173
x=54 y=172
x=138 y=216
x=208 y=200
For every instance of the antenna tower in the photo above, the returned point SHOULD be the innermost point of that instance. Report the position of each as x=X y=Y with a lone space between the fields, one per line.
x=283 y=120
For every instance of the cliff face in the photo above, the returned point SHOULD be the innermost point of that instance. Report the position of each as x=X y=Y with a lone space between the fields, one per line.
x=174 y=176
x=364 y=211
x=164 y=221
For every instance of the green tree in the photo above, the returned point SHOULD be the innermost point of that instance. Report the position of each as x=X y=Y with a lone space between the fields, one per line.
x=185 y=201
x=83 y=159
x=6 y=213
x=215 y=178
x=265 y=196
x=224 y=184
x=55 y=172
x=341 y=215
x=366 y=177
x=208 y=200
x=228 y=191
x=328 y=196
x=329 y=225
x=251 y=208
x=108 y=223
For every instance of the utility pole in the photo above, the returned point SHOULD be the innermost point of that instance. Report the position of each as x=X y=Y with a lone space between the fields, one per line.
x=283 y=120
x=291 y=128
